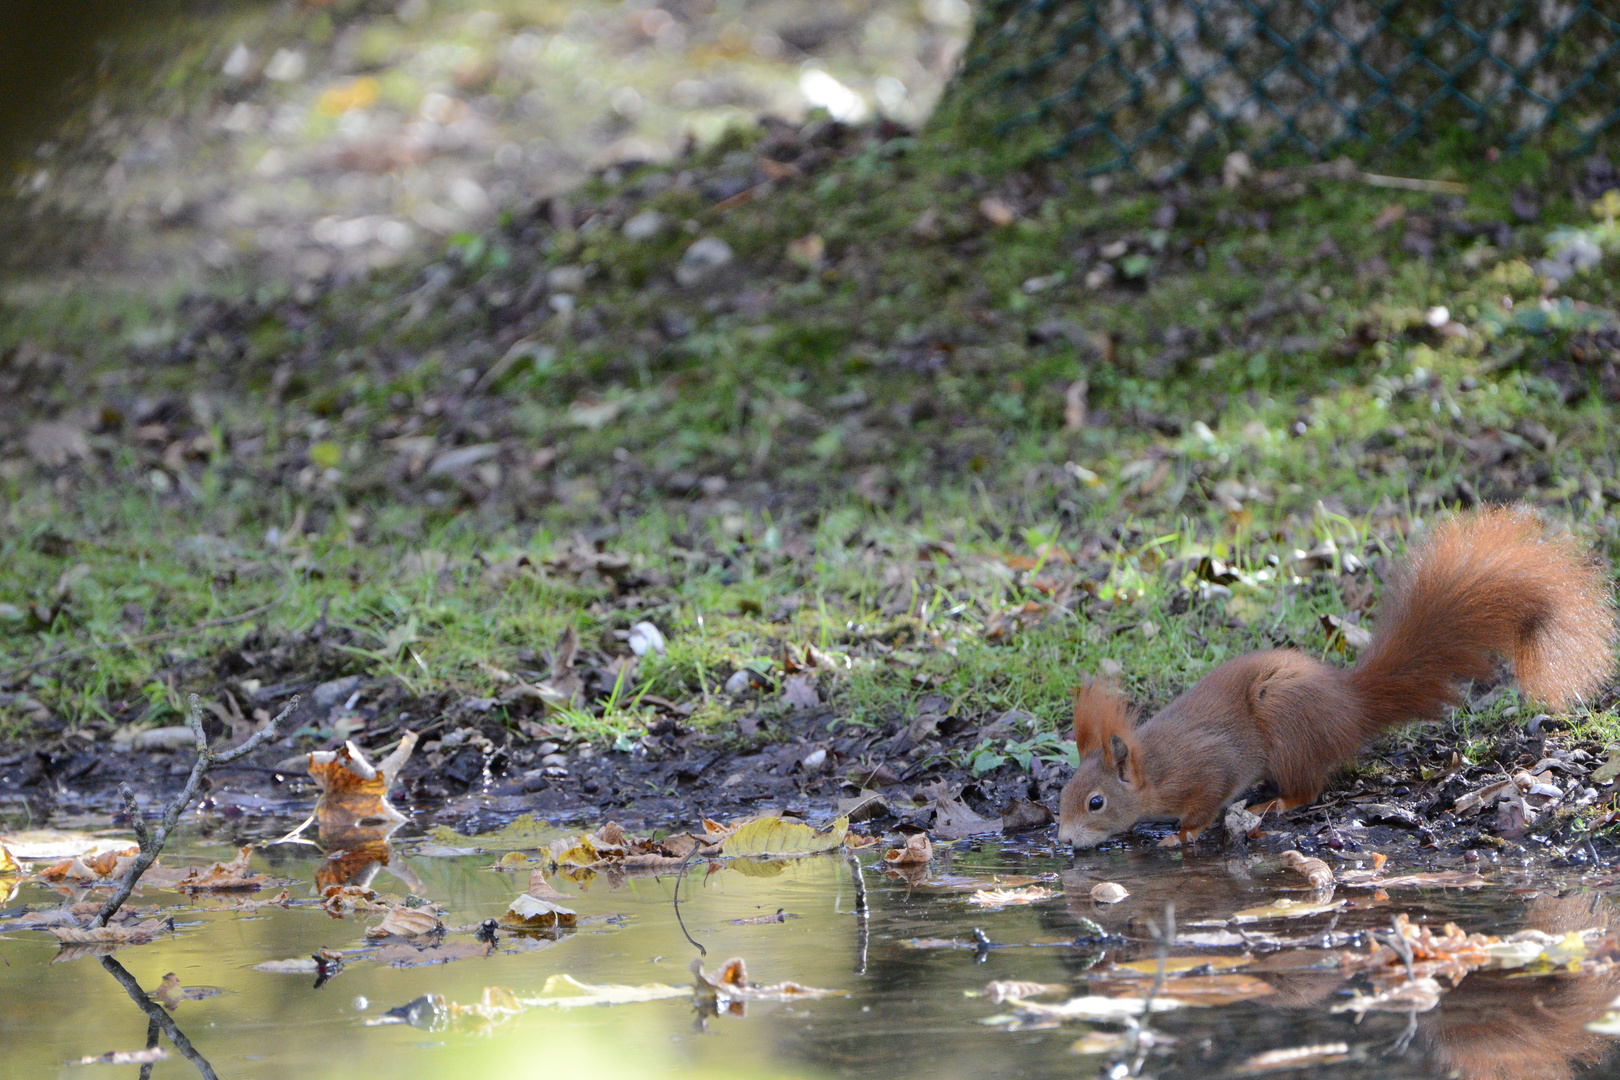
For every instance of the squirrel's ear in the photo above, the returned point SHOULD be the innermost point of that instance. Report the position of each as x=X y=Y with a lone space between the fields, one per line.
x=1120 y=750
x=1099 y=712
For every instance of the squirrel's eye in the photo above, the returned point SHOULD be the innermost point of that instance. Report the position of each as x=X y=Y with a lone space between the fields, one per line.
x=1096 y=803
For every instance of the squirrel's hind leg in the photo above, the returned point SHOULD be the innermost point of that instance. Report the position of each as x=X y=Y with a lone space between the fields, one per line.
x=1279 y=804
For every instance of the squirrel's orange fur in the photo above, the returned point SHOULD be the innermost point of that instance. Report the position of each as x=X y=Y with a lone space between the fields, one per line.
x=1481 y=585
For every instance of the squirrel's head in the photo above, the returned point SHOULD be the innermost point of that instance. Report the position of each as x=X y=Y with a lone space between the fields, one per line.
x=1104 y=796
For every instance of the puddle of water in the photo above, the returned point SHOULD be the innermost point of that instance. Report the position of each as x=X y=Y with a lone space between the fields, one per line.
x=903 y=1010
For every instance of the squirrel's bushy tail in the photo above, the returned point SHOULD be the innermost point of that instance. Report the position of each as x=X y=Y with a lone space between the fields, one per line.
x=1484 y=584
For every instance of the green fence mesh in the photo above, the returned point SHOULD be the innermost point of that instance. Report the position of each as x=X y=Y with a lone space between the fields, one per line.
x=1136 y=84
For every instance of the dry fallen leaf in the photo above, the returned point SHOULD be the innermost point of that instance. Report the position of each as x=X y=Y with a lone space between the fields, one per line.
x=799 y=692
x=1295 y=1057
x=1315 y=871
x=774 y=837
x=127 y=1057
x=1108 y=892
x=342 y=900
x=1013 y=990
x=407 y=923
x=223 y=877
x=1285 y=909
x=127 y=934
x=917 y=852
x=354 y=793
x=1004 y=897
x=730 y=984
x=530 y=912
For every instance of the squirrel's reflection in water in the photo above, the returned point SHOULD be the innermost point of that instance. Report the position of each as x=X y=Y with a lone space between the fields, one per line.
x=1499 y=1026
x=1494 y=1025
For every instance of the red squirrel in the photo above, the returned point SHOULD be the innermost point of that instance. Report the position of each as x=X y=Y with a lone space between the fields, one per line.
x=1482 y=584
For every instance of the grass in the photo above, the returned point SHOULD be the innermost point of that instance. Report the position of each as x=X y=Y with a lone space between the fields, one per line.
x=876 y=458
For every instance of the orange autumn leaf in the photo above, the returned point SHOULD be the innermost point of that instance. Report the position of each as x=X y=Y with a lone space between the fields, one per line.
x=353 y=801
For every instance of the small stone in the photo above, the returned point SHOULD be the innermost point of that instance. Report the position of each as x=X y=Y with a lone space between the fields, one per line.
x=645 y=638
x=814 y=760
x=328 y=694
x=554 y=759
x=706 y=255
x=567 y=279
x=644 y=226
x=163 y=738
x=287 y=65
x=1109 y=892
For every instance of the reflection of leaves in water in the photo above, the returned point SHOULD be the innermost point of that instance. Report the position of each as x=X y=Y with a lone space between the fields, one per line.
x=159 y=1019
x=523 y=834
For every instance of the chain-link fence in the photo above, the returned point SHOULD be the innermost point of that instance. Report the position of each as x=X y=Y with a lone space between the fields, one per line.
x=1146 y=85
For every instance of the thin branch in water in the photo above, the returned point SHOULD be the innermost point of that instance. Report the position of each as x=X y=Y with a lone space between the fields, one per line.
x=157 y=1015
x=675 y=899
x=151 y=844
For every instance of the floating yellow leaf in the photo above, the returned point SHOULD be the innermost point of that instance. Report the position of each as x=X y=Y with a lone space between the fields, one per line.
x=777 y=837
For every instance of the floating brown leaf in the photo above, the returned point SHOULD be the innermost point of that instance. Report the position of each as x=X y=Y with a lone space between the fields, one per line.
x=1315 y=871
x=730 y=984
x=1005 y=897
x=343 y=900
x=532 y=913
x=407 y=923
x=354 y=793
x=917 y=852
x=127 y=934
x=1108 y=892
x=1285 y=909
x=222 y=877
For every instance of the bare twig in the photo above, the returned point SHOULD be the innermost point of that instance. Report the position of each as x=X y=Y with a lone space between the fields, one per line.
x=152 y=843
x=675 y=900
x=158 y=1016
x=130 y=643
x=863 y=926
x=1134 y=1046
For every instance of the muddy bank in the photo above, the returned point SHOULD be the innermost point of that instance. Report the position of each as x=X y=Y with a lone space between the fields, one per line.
x=1537 y=794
